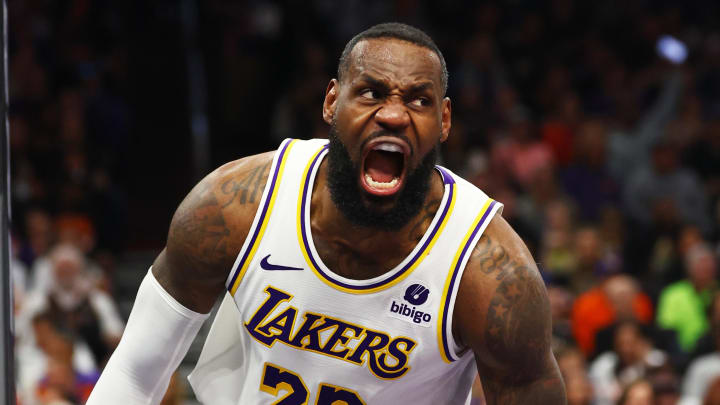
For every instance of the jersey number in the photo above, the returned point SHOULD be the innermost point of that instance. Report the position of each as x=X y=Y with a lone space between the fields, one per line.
x=276 y=378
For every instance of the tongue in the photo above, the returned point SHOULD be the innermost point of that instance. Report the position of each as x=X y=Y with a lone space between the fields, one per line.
x=383 y=166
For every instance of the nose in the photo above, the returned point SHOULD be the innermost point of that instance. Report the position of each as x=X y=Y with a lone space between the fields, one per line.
x=393 y=115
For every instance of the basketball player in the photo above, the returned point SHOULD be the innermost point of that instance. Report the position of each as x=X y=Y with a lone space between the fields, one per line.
x=354 y=270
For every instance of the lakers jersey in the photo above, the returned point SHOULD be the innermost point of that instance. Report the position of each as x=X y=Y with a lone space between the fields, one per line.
x=292 y=331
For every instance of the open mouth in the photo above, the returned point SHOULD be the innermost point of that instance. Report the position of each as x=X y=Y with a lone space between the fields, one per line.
x=384 y=166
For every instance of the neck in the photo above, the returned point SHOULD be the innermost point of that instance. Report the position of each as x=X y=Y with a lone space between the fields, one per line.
x=362 y=252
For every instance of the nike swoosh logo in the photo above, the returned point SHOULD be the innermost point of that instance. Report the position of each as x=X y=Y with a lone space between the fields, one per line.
x=269 y=266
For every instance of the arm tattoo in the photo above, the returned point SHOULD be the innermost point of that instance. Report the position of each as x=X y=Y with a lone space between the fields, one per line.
x=197 y=253
x=205 y=236
x=492 y=257
x=203 y=232
x=517 y=332
x=250 y=184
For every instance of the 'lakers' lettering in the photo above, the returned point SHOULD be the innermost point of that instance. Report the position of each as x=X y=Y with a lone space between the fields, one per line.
x=386 y=357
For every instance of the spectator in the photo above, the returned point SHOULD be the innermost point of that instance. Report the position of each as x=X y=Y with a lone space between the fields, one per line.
x=705 y=368
x=664 y=194
x=40 y=235
x=77 y=303
x=34 y=359
x=560 y=308
x=520 y=154
x=631 y=140
x=78 y=231
x=666 y=386
x=588 y=180
x=579 y=390
x=617 y=298
x=62 y=381
x=632 y=358
x=639 y=392
x=558 y=132
x=682 y=305
x=594 y=261
x=574 y=371
x=557 y=257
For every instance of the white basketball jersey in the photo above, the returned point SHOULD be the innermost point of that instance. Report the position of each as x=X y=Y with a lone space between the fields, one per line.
x=291 y=331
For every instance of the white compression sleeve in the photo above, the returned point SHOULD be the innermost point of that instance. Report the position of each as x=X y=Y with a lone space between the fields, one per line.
x=156 y=338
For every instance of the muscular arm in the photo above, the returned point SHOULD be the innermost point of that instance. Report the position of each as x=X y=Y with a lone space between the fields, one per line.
x=206 y=233
x=208 y=230
x=502 y=313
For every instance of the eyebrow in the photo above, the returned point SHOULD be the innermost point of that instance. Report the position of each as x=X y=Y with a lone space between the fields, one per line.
x=418 y=88
x=374 y=82
x=381 y=84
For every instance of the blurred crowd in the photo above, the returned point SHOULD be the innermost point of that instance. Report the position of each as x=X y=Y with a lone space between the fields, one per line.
x=605 y=154
x=69 y=122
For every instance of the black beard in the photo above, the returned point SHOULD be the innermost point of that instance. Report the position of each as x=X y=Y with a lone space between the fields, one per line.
x=347 y=195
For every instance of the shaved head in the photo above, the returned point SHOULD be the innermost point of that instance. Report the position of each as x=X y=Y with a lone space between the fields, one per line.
x=397 y=31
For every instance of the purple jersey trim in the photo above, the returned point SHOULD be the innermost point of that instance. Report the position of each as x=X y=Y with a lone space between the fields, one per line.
x=266 y=203
x=456 y=270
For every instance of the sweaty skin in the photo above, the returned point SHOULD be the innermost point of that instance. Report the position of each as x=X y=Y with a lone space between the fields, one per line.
x=502 y=311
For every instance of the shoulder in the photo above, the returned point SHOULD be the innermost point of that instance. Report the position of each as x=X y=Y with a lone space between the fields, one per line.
x=502 y=310
x=209 y=227
x=218 y=211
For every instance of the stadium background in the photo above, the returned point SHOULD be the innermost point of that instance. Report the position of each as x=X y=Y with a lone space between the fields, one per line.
x=606 y=156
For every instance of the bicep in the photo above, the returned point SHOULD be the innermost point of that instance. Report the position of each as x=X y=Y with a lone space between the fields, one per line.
x=505 y=318
x=515 y=363
x=517 y=332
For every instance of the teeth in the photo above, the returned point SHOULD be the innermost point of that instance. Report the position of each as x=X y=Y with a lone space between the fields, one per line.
x=380 y=185
x=388 y=147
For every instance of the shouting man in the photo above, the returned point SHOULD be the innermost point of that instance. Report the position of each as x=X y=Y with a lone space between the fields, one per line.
x=354 y=270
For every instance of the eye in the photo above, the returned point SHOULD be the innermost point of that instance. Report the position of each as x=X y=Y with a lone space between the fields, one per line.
x=421 y=102
x=370 y=94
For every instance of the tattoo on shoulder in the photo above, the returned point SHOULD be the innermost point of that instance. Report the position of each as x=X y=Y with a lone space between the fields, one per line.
x=247 y=188
x=492 y=257
x=517 y=331
x=202 y=230
x=518 y=327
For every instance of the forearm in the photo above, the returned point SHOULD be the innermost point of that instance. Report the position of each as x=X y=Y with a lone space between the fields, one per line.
x=157 y=337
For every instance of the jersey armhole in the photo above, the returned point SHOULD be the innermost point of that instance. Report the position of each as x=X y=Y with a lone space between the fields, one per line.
x=450 y=351
x=260 y=220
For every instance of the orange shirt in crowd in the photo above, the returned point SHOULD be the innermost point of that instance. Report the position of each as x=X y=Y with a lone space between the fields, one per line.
x=592 y=312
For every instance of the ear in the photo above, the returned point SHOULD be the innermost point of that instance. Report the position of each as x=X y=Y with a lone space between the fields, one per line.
x=446 y=118
x=330 y=103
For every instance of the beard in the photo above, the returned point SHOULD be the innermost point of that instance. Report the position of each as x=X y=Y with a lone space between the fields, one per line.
x=363 y=209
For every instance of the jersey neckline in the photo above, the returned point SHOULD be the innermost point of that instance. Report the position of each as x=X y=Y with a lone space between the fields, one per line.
x=389 y=278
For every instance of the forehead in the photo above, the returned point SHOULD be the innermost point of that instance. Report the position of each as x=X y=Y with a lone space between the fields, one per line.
x=394 y=60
